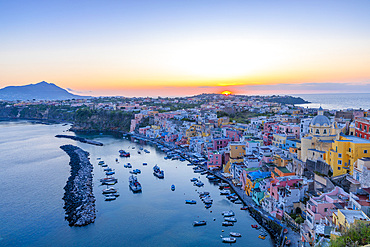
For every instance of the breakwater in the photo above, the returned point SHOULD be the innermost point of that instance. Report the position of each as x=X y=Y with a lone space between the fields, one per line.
x=79 y=200
x=80 y=139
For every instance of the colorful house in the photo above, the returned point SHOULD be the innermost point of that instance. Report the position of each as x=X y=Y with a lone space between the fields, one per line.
x=345 y=151
x=252 y=180
x=343 y=219
x=214 y=160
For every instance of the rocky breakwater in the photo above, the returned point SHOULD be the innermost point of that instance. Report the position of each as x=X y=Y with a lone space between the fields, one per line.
x=79 y=200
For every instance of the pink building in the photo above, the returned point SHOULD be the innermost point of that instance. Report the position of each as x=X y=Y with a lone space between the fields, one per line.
x=232 y=135
x=267 y=139
x=214 y=159
x=269 y=126
x=143 y=130
x=219 y=143
x=318 y=208
x=291 y=129
x=170 y=137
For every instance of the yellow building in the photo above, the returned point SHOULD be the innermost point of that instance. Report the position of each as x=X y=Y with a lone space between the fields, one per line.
x=345 y=151
x=321 y=134
x=191 y=132
x=343 y=219
x=237 y=153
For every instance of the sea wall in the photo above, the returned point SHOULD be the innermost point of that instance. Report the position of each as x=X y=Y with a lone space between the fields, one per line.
x=79 y=200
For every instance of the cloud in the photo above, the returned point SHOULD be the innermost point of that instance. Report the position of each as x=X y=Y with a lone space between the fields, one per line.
x=76 y=91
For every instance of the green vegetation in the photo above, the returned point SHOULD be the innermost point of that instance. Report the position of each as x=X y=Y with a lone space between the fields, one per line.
x=357 y=235
x=284 y=100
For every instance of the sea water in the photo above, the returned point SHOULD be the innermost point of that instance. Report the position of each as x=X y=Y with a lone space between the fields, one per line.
x=34 y=170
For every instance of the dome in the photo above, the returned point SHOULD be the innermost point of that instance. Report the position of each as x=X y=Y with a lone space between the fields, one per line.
x=320 y=120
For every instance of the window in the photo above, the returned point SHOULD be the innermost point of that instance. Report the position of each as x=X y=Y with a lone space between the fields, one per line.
x=339 y=155
x=324 y=132
x=365 y=151
x=325 y=209
x=339 y=162
x=338 y=168
x=350 y=150
x=317 y=131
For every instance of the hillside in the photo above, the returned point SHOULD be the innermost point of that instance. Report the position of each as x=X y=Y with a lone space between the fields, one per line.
x=38 y=91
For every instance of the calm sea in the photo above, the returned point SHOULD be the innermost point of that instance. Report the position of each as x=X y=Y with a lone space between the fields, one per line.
x=337 y=101
x=34 y=170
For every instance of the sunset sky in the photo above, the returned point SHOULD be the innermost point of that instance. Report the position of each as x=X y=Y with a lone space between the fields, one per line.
x=175 y=48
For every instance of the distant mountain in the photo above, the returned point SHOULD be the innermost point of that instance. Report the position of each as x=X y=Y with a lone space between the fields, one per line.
x=38 y=91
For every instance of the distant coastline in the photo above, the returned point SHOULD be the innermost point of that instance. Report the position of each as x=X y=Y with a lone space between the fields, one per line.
x=336 y=101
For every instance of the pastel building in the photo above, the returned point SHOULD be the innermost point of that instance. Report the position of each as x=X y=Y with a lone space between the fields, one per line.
x=214 y=160
x=344 y=151
x=343 y=219
x=362 y=127
x=319 y=139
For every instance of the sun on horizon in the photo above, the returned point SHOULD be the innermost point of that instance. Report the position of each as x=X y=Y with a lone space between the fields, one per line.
x=226 y=93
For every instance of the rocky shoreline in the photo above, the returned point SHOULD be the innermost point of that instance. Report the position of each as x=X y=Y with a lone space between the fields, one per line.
x=79 y=200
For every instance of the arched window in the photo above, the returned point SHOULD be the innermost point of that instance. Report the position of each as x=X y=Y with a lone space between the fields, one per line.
x=324 y=132
x=317 y=131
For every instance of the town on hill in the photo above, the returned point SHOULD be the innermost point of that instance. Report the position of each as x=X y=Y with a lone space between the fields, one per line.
x=307 y=167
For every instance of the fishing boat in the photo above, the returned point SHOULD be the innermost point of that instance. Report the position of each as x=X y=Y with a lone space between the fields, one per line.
x=229 y=240
x=230 y=219
x=193 y=179
x=104 y=165
x=229 y=213
x=190 y=201
x=285 y=231
x=123 y=153
x=227 y=223
x=134 y=184
x=244 y=208
x=128 y=165
x=199 y=223
x=109 y=179
x=261 y=237
x=109 y=173
x=108 y=169
x=145 y=164
x=110 y=198
x=158 y=172
x=224 y=192
x=113 y=182
x=199 y=183
x=173 y=187
x=109 y=190
x=287 y=242
x=235 y=234
x=135 y=171
x=101 y=162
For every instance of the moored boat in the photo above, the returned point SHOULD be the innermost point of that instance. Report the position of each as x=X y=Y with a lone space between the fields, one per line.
x=134 y=184
x=227 y=223
x=230 y=219
x=229 y=240
x=158 y=172
x=228 y=213
x=199 y=223
x=235 y=234
x=190 y=201
x=109 y=190
x=173 y=187
x=110 y=198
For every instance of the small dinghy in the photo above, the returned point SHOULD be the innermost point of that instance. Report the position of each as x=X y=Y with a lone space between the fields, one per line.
x=173 y=187
x=227 y=223
x=229 y=240
x=199 y=223
x=235 y=234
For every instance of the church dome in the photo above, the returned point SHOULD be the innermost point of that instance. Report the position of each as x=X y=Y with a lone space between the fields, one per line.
x=320 y=120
